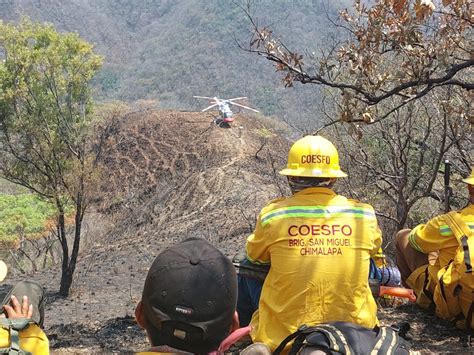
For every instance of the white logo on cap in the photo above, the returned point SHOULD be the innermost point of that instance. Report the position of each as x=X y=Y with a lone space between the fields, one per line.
x=184 y=310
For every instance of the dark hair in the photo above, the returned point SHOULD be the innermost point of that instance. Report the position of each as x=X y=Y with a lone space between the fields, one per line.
x=298 y=183
x=315 y=181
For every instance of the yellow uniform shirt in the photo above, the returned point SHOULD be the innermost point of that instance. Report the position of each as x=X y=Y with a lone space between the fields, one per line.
x=437 y=236
x=319 y=245
x=32 y=339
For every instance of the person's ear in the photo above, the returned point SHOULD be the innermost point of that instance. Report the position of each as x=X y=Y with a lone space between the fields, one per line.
x=235 y=322
x=139 y=315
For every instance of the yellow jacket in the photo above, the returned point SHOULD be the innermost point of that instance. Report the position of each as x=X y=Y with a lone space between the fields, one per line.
x=32 y=339
x=319 y=245
x=451 y=290
x=436 y=235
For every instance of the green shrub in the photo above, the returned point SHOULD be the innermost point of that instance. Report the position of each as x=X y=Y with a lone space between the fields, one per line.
x=23 y=215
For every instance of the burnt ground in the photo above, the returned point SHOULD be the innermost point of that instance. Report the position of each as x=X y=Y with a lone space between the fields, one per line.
x=169 y=175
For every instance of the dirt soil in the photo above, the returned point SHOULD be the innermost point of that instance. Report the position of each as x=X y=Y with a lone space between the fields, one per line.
x=168 y=176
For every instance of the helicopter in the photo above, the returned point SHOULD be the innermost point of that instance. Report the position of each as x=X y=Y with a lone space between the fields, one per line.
x=223 y=105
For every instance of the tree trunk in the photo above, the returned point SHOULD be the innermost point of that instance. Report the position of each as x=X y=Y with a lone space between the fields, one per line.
x=68 y=272
x=402 y=212
x=66 y=279
x=66 y=282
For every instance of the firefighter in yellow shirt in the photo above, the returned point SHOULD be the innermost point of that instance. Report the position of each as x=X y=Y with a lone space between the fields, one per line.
x=23 y=311
x=319 y=245
x=426 y=249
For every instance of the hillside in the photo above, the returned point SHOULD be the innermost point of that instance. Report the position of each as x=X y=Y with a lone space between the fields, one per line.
x=169 y=51
x=169 y=175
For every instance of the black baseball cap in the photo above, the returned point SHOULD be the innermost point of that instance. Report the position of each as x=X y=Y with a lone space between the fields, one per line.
x=190 y=297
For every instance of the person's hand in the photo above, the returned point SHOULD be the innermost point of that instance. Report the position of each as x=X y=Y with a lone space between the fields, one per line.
x=15 y=310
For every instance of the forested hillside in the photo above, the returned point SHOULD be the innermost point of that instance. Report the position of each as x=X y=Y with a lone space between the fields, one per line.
x=171 y=50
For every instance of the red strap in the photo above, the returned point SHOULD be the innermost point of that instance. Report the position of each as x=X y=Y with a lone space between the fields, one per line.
x=232 y=339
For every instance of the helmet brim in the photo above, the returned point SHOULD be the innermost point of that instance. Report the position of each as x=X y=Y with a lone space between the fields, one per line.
x=316 y=173
x=469 y=180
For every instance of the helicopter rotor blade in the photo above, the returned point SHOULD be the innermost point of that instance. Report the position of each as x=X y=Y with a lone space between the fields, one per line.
x=246 y=107
x=237 y=98
x=204 y=97
x=208 y=108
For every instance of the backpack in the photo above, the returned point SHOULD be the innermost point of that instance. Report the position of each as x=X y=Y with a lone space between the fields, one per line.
x=14 y=326
x=346 y=338
x=245 y=268
x=454 y=291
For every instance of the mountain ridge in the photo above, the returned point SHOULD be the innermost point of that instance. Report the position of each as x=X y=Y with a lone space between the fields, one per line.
x=169 y=51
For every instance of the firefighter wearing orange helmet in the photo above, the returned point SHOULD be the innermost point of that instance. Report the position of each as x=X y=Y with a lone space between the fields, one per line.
x=319 y=245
